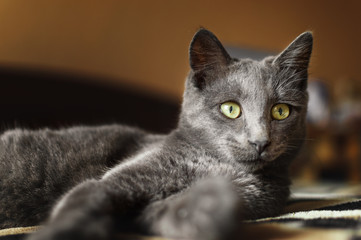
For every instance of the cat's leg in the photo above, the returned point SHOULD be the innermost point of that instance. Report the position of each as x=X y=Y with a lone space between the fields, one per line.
x=84 y=213
x=94 y=208
x=208 y=210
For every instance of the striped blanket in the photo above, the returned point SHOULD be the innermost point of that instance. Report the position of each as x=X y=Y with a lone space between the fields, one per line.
x=322 y=211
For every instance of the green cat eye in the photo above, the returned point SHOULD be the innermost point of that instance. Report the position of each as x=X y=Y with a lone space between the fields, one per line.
x=280 y=111
x=231 y=110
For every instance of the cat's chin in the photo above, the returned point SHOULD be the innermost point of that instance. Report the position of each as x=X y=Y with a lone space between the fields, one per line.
x=257 y=162
x=254 y=163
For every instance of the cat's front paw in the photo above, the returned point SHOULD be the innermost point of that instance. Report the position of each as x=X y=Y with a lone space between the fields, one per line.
x=70 y=230
x=207 y=211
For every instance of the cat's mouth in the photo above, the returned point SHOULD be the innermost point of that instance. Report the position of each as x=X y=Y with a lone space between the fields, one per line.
x=259 y=159
x=256 y=160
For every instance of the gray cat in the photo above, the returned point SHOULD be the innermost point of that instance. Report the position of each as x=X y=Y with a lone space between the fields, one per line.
x=241 y=124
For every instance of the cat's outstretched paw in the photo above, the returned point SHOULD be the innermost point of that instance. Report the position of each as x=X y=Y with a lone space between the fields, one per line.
x=206 y=211
x=71 y=230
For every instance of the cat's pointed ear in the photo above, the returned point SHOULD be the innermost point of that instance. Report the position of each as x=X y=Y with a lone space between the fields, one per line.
x=297 y=54
x=206 y=52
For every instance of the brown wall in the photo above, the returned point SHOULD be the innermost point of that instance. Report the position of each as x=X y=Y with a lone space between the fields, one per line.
x=145 y=43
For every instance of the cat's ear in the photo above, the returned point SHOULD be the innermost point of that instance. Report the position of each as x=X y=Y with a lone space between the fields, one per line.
x=206 y=52
x=297 y=54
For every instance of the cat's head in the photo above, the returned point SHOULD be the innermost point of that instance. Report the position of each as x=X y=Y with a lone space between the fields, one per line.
x=249 y=111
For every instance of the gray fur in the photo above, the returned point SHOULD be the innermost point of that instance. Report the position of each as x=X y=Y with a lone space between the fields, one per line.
x=192 y=183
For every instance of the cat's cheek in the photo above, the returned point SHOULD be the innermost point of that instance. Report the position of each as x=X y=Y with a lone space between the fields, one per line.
x=284 y=128
x=274 y=153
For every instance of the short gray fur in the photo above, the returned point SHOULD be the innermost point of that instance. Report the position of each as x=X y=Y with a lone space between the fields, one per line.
x=195 y=182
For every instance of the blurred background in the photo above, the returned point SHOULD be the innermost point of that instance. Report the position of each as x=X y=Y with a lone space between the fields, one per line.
x=91 y=62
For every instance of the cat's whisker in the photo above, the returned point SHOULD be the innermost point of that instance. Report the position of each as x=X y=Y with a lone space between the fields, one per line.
x=305 y=139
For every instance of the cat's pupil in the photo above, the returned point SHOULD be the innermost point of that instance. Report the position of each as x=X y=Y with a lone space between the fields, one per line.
x=230 y=109
x=280 y=111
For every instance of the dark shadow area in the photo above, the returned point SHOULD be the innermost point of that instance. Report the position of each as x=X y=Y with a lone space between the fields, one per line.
x=35 y=99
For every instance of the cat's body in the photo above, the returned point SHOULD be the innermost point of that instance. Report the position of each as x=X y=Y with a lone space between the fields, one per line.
x=37 y=167
x=189 y=183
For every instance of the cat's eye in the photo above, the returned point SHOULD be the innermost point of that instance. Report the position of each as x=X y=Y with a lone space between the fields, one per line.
x=280 y=111
x=231 y=110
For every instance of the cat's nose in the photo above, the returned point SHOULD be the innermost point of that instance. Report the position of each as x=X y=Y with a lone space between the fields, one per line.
x=260 y=146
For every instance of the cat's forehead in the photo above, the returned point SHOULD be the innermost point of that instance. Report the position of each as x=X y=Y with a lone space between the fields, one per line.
x=248 y=72
x=245 y=81
x=250 y=77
